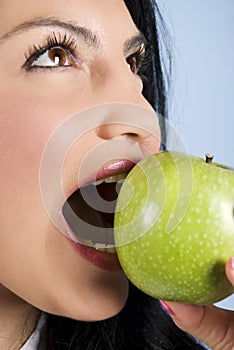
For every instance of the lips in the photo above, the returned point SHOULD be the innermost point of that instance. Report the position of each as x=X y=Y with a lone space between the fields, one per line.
x=88 y=212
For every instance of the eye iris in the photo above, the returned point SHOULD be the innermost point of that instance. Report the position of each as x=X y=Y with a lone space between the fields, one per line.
x=58 y=56
x=133 y=65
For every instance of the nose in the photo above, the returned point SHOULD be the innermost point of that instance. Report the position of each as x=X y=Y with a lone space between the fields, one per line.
x=133 y=123
x=127 y=113
x=118 y=84
x=128 y=120
x=113 y=130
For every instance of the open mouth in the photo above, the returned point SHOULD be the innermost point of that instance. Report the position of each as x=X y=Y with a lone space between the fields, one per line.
x=89 y=212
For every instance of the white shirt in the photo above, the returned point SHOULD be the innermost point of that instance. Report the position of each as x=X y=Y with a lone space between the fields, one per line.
x=37 y=340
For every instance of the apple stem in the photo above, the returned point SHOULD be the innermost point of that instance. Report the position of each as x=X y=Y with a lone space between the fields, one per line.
x=209 y=158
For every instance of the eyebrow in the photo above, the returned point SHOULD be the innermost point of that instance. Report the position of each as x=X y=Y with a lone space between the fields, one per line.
x=70 y=26
x=81 y=32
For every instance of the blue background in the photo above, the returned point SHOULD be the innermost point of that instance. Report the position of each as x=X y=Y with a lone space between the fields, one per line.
x=202 y=99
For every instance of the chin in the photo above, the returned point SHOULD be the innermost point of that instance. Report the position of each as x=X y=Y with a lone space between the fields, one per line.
x=96 y=305
x=104 y=308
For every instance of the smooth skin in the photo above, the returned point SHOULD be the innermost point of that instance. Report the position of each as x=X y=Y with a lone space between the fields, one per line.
x=37 y=264
x=38 y=268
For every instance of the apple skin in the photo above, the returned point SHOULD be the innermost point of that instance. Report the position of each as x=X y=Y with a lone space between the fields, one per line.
x=174 y=227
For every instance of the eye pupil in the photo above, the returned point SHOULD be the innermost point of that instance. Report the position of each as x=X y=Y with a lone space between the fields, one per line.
x=58 y=56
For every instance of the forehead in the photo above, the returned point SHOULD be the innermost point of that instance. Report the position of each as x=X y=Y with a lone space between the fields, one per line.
x=103 y=16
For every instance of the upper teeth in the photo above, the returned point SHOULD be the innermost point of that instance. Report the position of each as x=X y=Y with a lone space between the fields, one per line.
x=109 y=179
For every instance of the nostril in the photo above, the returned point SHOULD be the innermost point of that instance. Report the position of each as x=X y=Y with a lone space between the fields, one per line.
x=131 y=135
x=122 y=120
x=111 y=131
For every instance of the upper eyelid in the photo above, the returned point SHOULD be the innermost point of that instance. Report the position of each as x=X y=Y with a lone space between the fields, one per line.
x=34 y=54
x=134 y=45
x=68 y=44
x=54 y=40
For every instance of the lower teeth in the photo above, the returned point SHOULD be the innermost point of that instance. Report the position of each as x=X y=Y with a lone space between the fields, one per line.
x=109 y=248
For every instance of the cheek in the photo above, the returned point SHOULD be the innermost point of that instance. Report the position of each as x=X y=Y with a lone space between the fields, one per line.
x=21 y=144
x=26 y=122
x=25 y=126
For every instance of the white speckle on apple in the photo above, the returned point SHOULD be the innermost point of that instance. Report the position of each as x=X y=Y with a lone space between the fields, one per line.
x=188 y=263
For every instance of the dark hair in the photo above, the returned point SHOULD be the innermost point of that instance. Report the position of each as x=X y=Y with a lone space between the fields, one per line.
x=142 y=324
x=149 y=21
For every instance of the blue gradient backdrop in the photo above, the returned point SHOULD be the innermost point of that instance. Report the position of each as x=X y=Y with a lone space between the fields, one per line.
x=202 y=108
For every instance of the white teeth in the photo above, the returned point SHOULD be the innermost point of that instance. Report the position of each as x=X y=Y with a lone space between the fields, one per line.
x=115 y=178
x=109 y=179
x=109 y=248
x=100 y=246
x=95 y=183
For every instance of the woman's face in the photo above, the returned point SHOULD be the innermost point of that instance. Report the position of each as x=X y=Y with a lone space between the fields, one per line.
x=41 y=87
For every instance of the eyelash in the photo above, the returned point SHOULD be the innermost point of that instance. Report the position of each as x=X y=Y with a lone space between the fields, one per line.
x=60 y=41
x=67 y=43
x=142 y=58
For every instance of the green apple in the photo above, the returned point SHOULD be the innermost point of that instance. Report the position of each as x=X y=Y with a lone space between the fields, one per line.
x=174 y=227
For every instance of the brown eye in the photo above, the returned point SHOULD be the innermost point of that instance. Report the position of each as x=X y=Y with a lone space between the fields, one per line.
x=58 y=56
x=53 y=57
x=133 y=63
